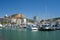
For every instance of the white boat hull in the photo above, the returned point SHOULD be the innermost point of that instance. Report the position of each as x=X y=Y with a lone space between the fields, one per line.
x=34 y=28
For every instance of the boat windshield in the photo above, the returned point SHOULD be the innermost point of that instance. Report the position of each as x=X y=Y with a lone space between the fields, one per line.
x=45 y=25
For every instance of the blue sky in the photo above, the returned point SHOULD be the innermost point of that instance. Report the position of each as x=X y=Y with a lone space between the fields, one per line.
x=30 y=8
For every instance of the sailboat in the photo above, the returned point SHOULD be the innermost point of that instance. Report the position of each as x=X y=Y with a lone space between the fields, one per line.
x=46 y=26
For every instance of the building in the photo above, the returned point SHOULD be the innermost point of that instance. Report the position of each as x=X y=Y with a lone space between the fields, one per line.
x=17 y=19
x=36 y=21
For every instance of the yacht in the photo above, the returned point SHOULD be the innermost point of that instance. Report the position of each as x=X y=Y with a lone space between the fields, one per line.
x=46 y=27
x=1 y=26
x=33 y=27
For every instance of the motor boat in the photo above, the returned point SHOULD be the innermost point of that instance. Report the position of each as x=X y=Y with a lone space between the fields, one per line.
x=46 y=27
x=1 y=26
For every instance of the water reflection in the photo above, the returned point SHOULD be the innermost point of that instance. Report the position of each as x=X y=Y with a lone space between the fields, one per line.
x=30 y=35
x=1 y=37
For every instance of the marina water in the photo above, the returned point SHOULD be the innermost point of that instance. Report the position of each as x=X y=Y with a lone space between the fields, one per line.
x=29 y=35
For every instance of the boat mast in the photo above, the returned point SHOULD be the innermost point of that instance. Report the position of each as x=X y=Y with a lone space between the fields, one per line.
x=45 y=14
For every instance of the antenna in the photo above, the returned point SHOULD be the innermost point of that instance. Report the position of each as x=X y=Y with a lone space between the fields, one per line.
x=45 y=15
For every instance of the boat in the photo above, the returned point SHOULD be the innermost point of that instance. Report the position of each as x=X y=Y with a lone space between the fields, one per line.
x=46 y=27
x=57 y=27
x=1 y=26
x=32 y=27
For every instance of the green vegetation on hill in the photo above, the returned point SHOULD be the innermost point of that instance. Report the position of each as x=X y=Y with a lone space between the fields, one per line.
x=52 y=19
x=30 y=20
x=4 y=22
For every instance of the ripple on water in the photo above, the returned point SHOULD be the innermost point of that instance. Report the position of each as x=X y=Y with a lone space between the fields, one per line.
x=29 y=35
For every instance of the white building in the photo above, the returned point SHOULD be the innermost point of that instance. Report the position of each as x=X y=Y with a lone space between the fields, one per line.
x=18 y=21
x=24 y=21
x=13 y=20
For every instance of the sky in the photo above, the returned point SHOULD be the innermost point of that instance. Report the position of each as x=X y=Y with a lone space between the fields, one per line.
x=44 y=9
